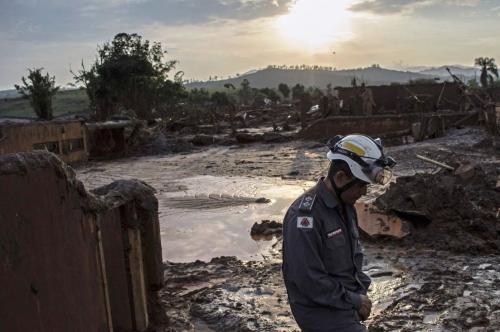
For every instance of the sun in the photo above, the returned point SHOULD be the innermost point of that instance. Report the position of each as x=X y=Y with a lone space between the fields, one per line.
x=315 y=24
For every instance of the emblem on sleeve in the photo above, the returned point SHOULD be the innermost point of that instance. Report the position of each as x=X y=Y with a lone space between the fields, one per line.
x=307 y=202
x=305 y=222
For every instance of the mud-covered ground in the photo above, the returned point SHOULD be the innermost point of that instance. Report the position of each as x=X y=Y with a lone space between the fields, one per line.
x=415 y=288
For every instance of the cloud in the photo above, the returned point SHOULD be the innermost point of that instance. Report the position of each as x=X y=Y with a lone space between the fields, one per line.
x=37 y=20
x=385 y=7
x=201 y=11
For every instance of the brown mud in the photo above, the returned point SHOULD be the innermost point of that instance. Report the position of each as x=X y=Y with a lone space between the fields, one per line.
x=423 y=283
x=449 y=211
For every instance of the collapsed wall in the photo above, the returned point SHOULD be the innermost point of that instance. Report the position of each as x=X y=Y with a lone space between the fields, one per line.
x=400 y=97
x=72 y=260
x=388 y=125
x=67 y=139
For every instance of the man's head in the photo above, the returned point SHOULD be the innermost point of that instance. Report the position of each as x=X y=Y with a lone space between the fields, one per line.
x=341 y=175
x=356 y=161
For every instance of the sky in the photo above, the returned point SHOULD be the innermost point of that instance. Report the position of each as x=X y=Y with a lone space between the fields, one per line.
x=222 y=38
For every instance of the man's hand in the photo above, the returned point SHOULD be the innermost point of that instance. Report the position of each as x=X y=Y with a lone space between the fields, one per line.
x=366 y=308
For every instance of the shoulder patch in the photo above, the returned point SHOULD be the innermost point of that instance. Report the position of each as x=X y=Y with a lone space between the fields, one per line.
x=307 y=202
x=305 y=222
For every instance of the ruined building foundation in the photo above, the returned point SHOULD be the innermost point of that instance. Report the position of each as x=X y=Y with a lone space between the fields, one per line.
x=71 y=260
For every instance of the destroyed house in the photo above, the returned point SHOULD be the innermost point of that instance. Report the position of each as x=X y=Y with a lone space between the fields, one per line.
x=67 y=139
x=403 y=98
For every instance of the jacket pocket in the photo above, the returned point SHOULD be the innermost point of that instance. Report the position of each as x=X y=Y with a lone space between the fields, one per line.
x=336 y=240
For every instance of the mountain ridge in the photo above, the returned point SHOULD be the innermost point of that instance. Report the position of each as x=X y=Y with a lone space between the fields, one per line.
x=271 y=77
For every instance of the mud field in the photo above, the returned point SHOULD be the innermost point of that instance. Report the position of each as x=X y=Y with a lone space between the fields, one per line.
x=220 y=278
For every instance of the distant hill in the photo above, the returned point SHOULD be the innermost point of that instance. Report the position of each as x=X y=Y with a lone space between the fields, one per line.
x=463 y=72
x=272 y=77
x=64 y=102
x=8 y=94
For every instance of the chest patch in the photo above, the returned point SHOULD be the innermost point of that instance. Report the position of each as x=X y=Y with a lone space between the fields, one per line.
x=305 y=222
x=334 y=233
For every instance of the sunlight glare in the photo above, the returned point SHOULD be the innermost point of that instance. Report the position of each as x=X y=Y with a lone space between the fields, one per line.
x=315 y=24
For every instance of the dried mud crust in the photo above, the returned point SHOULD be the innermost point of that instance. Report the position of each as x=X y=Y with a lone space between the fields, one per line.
x=430 y=290
x=463 y=212
x=443 y=292
x=412 y=290
x=227 y=295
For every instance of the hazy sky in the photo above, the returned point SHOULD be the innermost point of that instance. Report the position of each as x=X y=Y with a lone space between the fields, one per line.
x=225 y=37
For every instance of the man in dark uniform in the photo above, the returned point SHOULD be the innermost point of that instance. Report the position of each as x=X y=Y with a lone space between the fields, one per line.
x=322 y=256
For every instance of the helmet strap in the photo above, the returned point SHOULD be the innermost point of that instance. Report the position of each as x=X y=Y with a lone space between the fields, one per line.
x=340 y=190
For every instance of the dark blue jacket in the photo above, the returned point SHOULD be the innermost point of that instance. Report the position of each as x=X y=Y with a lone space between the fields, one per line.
x=322 y=261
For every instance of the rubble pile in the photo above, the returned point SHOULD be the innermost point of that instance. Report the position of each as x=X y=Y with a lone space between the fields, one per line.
x=456 y=212
x=266 y=228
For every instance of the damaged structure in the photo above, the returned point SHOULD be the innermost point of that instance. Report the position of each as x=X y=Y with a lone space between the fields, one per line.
x=108 y=139
x=72 y=260
x=72 y=141
x=417 y=110
x=67 y=139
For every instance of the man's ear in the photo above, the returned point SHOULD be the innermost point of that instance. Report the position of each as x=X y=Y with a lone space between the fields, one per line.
x=340 y=178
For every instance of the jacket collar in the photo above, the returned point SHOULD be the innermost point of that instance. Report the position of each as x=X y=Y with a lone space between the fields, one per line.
x=325 y=194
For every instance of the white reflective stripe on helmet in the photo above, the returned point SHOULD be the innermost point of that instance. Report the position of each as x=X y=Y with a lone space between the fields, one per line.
x=374 y=174
x=353 y=166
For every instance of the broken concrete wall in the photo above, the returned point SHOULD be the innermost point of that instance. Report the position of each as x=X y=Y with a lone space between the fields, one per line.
x=107 y=139
x=66 y=139
x=71 y=260
x=131 y=239
x=377 y=125
x=50 y=268
x=397 y=98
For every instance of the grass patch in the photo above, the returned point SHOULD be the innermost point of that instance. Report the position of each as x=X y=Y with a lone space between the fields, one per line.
x=72 y=101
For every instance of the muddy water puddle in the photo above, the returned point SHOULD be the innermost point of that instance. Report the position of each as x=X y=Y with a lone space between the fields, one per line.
x=213 y=216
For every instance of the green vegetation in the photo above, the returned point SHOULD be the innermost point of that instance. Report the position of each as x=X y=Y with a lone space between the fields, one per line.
x=63 y=102
x=423 y=81
x=284 y=89
x=39 y=89
x=489 y=71
x=131 y=74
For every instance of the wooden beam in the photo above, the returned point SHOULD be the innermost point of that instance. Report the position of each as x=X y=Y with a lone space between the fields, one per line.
x=139 y=295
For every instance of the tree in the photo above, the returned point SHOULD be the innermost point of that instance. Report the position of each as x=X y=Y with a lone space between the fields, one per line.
x=417 y=81
x=198 y=97
x=245 y=92
x=271 y=94
x=488 y=70
x=315 y=93
x=354 y=82
x=39 y=89
x=284 y=89
x=220 y=99
x=329 y=90
x=229 y=86
x=130 y=73
x=298 y=91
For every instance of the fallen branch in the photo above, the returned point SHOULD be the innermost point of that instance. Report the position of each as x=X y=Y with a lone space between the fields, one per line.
x=468 y=117
x=448 y=167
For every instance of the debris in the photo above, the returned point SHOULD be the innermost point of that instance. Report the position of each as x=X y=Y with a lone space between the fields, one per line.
x=266 y=228
x=246 y=138
x=484 y=266
x=466 y=171
x=203 y=140
x=464 y=119
x=435 y=162
x=453 y=214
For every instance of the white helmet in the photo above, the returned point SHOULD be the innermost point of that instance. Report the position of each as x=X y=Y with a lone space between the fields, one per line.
x=364 y=156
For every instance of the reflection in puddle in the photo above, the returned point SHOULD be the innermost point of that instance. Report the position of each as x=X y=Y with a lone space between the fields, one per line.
x=213 y=217
x=260 y=237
